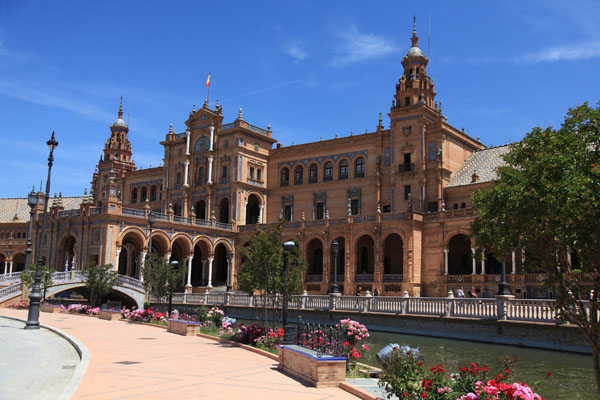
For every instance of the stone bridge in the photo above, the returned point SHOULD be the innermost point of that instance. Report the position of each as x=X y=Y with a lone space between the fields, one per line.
x=62 y=281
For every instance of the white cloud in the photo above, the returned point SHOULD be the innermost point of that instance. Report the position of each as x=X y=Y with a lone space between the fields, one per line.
x=295 y=51
x=357 y=46
x=578 y=52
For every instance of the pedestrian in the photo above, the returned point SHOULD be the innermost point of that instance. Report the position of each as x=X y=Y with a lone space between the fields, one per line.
x=461 y=293
x=375 y=292
x=472 y=293
x=358 y=290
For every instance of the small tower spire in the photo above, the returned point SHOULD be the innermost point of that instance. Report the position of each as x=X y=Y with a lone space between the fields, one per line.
x=121 y=108
x=414 y=37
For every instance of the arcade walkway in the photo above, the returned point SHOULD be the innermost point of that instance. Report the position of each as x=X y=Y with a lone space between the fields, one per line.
x=130 y=361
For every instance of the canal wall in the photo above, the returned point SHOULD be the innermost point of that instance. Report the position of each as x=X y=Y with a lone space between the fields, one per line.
x=560 y=337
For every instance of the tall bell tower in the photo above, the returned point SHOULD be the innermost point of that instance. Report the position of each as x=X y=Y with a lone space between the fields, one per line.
x=116 y=157
x=415 y=86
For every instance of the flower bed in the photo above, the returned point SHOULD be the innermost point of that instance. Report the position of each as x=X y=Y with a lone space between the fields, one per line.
x=22 y=305
x=81 y=309
x=406 y=377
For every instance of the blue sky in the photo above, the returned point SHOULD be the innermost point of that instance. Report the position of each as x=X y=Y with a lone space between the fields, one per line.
x=310 y=68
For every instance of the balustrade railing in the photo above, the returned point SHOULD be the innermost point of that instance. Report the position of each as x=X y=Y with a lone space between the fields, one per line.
x=202 y=222
x=393 y=277
x=133 y=212
x=12 y=277
x=222 y=225
x=477 y=308
x=183 y=220
x=531 y=310
x=10 y=291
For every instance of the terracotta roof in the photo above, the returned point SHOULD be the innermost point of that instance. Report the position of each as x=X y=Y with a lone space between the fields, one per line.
x=18 y=206
x=484 y=163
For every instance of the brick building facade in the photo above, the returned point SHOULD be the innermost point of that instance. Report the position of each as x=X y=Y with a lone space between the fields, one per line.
x=397 y=199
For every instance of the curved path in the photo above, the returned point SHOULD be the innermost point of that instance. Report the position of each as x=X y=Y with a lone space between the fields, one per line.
x=130 y=361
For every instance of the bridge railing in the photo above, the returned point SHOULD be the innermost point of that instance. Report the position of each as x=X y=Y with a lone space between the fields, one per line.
x=10 y=291
x=127 y=281
x=483 y=308
x=12 y=277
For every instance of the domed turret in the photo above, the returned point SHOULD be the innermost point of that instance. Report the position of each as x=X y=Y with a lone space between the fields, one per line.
x=415 y=51
x=119 y=122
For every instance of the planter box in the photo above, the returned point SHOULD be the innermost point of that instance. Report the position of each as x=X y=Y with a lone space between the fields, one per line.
x=184 y=328
x=110 y=315
x=49 y=308
x=325 y=371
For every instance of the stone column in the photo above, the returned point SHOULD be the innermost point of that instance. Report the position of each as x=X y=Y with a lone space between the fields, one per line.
x=260 y=213
x=187 y=142
x=11 y=265
x=5 y=266
x=446 y=261
x=210 y=168
x=210 y=261
x=514 y=264
x=212 y=137
x=244 y=208
x=189 y=273
x=186 y=173
x=142 y=263
x=474 y=262
x=483 y=264
x=203 y=269
x=116 y=267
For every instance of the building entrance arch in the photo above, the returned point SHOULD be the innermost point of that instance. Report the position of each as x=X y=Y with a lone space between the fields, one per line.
x=253 y=210
x=459 y=255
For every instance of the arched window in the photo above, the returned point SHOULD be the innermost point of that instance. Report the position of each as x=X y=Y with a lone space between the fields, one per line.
x=298 y=174
x=313 y=173
x=359 y=168
x=144 y=194
x=134 y=195
x=343 y=170
x=285 y=177
x=463 y=205
x=153 y=193
x=177 y=209
x=328 y=171
x=455 y=206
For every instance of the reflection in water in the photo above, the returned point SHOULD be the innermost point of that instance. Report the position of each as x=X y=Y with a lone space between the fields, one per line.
x=572 y=374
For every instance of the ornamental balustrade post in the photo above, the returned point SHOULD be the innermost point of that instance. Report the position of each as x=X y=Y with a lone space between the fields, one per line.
x=227 y=298
x=251 y=301
x=184 y=297
x=502 y=306
x=332 y=302
x=450 y=304
x=367 y=301
x=404 y=302
x=304 y=299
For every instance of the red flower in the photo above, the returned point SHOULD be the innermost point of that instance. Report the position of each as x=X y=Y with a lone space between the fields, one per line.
x=346 y=344
x=424 y=395
x=548 y=374
x=507 y=371
x=419 y=363
x=404 y=394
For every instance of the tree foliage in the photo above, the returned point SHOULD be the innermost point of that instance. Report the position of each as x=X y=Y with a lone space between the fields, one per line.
x=100 y=279
x=161 y=279
x=546 y=203
x=28 y=275
x=262 y=269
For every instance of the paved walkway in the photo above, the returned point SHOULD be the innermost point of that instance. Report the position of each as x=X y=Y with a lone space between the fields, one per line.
x=34 y=359
x=130 y=361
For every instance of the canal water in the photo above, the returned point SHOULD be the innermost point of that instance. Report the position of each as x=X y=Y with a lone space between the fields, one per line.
x=572 y=375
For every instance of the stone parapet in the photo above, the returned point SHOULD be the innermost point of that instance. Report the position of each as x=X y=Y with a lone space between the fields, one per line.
x=325 y=371
x=184 y=328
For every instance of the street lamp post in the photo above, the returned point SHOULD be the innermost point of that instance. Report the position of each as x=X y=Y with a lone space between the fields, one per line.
x=289 y=332
x=32 y=202
x=229 y=271
x=504 y=287
x=151 y=220
x=335 y=289
x=33 y=318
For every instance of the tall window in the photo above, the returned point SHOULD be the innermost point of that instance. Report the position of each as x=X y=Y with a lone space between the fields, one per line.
x=200 y=175
x=343 y=170
x=328 y=171
x=144 y=194
x=320 y=211
x=359 y=168
x=251 y=172
x=298 y=173
x=153 y=193
x=224 y=172
x=134 y=195
x=259 y=174
x=355 y=206
x=406 y=192
x=287 y=212
x=285 y=177
x=312 y=173
x=178 y=178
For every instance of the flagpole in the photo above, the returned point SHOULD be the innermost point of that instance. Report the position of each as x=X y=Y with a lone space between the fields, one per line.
x=208 y=89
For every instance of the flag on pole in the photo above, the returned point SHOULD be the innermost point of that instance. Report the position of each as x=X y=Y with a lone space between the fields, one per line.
x=208 y=80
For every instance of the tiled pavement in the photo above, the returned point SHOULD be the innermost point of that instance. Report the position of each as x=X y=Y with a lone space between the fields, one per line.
x=130 y=361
